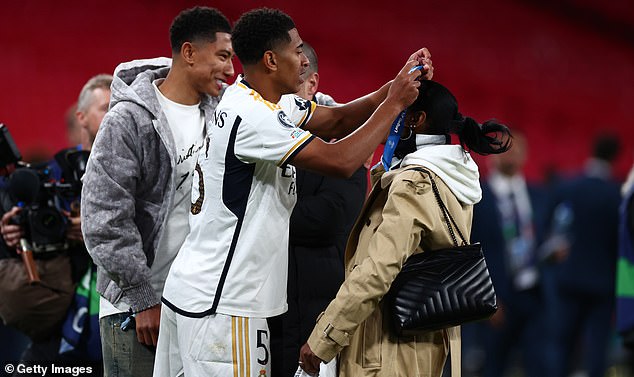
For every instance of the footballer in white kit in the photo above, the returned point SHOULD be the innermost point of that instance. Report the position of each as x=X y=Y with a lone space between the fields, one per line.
x=234 y=260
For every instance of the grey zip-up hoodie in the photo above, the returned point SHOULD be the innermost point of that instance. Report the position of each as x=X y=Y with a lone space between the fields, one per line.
x=128 y=187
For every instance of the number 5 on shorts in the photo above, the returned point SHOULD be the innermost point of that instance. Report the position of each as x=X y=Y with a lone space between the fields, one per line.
x=257 y=360
x=263 y=342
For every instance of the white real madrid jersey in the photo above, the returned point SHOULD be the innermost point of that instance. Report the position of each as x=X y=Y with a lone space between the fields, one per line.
x=234 y=260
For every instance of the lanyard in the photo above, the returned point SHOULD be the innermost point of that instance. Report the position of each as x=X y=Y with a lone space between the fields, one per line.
x=395 y=134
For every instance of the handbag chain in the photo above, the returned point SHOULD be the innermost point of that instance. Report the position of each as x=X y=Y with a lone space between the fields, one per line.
x=445 y=211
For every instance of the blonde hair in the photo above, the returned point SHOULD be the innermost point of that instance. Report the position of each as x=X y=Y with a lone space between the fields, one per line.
x=85 y=96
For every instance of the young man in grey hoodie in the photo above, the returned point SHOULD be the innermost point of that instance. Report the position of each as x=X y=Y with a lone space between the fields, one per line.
x=135 y=197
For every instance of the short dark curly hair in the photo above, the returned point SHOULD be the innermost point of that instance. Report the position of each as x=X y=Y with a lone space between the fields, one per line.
x=195 y=24
x=258 y=31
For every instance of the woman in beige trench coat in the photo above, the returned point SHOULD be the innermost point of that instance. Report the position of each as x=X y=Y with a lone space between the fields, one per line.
x=400 y=218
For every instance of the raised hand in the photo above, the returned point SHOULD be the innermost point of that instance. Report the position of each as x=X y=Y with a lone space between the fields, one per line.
x=423 y=57
x=404 y=88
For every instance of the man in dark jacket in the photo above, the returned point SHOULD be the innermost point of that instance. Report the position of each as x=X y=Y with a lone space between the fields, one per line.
x=507 y=223
x=585 y=277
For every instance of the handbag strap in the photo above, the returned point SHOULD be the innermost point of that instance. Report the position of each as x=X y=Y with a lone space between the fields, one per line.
x=443 y=208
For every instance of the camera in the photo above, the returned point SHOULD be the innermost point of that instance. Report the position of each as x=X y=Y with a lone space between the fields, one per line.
x=42 y=191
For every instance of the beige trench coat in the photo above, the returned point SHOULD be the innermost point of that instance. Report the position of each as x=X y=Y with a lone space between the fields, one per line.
x=400 y=218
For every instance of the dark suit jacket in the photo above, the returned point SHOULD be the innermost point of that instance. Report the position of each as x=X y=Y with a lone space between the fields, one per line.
x=323 y=216
x=591 y=264
x=325 y=212
x=487 y=229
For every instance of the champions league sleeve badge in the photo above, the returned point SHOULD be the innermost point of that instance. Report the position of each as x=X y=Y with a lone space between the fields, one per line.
x=302 y=104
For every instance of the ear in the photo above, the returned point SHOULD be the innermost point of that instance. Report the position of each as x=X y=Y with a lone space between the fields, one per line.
x=415 y=119
x=313 y=83
x=270 y=61
x=422 y=117
x=81 y=119
x=187 y=52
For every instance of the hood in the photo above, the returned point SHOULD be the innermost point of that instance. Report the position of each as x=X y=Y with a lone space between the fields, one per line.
x=133 y=82
x=454 y=166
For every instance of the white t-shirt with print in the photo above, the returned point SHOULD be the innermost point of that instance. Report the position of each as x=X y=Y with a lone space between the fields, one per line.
x=186 y=124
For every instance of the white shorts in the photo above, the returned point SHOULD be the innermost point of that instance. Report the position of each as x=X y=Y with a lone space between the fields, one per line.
x=215 y=346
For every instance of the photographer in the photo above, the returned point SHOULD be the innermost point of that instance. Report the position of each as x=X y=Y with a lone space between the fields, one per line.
x=50 y=311
x=36 y=309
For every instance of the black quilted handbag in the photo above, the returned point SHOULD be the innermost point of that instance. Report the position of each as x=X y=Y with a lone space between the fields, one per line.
x=441 y=288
